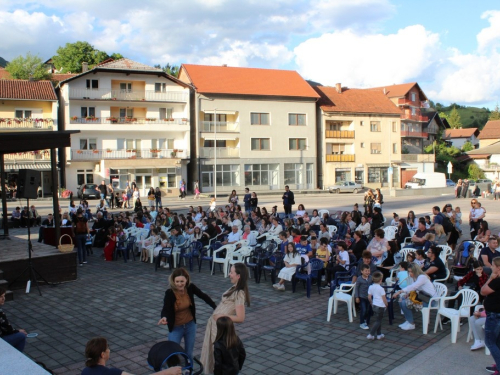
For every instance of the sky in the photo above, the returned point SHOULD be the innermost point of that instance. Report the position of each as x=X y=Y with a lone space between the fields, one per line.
x=451 y=48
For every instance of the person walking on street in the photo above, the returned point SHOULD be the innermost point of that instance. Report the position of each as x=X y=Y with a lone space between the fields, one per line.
x=197 y=190
x=465 y=188
x=103 y=189
x=288 y=200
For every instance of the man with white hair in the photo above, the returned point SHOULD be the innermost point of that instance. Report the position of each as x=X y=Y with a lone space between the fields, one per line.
x=234 y=236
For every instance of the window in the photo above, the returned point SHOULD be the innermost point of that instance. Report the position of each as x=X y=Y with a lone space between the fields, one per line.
x=166 y=113
x=334 y=126
x=92 y=83
x=88 y=144
x=359 y=176
x=362 y=144
x=262 y=174
x=84 y=176
x=361 y=123
x=259 y=118
x=413 y=111
x=126 y=112
x=220 y=118
x=210 y=143
x=227 y=175
x=297 y=144
x=167 y=178
x=413 y=97
x=261 y=143
x=343 y=174
x=87 y=112
x=293 y=173
x=126 y=87
x=20 y=113
x=338 y=148
x=375 y=126
x=394 y=126
x=296 y=119
x=376 y=148
x=394 y=148
x=162 y=144
x=160 y=87
x=133 y=144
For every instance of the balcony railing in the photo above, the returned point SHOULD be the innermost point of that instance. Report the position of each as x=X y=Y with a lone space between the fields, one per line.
x=133 y=95
x=222 y=152
x=407 y=133
x=340 y=158
x=128 y=120
x=222 y=127
x=127 y=154
x=418 y=158
x=419 y=118
x=339 y=133
x=27 y=123
x=29 y=155
x=405 y=101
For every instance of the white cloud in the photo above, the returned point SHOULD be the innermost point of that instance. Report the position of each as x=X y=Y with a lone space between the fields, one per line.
x=489 y=37
x=367 y=60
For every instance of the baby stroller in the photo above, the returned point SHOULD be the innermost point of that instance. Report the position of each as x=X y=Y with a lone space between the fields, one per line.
x=166 y=354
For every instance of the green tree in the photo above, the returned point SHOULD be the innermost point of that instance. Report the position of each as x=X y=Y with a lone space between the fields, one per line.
x=173 y=70
x=27 y=67
x=467 y=147
x=495 y=114
x=70 y=57
x=454 y=119
x=475 y=173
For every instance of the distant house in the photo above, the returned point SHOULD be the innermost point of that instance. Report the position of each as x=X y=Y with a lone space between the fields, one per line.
x=458 y=137
x=490 y=133
x=487 y=158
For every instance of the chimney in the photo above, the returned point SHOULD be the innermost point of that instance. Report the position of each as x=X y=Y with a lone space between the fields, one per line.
x=338 y=86
x=224 y=65
x=385 y=91
x=85 y=67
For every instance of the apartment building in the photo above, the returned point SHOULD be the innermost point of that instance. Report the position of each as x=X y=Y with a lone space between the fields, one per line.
x=134 y=123
x=31 y=107
x=359 y=136
x=254 y=127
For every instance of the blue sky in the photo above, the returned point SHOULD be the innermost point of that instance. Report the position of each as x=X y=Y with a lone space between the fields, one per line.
x=449 y=47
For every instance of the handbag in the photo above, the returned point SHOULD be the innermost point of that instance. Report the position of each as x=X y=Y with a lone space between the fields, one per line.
x=423 y=297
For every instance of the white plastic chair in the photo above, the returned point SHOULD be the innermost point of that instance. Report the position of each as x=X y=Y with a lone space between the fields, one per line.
x=404 y=252
x=446 y=277
x=470 y=334
x=407 y=240
x=469 y=298
x=441 y=291
x=322 y=212
x=342 y=294
x=445 y=253
x=332 y=229
x=390 y=232
x=238 y=256
x=224 y=261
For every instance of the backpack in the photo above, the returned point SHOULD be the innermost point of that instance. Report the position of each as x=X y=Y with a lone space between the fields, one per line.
x=81 y=227
x=447 y=224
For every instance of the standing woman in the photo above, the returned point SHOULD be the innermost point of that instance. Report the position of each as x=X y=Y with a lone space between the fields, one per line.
x=197 y=190
x=458 y=188
x=231 y=305
x=179 y=310
x=151 y=197
x=491 y=290
x=158 y=198
x=254 y=201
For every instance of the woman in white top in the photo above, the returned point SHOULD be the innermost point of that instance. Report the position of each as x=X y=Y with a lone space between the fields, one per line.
x=291 y=260
x=395 y=220
x=237 y=220
x=364 y=227
x=315 y=220
x=379 y=246
x=421 y=283
x=276 y=228
x=300 y=211
x=412 y=221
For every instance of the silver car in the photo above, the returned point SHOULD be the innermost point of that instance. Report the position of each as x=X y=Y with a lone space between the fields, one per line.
x=345 y=187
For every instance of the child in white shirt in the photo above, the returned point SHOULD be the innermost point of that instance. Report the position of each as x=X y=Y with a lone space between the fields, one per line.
x=378 y=300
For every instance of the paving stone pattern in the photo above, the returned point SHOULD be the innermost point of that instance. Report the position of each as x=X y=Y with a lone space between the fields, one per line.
x=283 y=333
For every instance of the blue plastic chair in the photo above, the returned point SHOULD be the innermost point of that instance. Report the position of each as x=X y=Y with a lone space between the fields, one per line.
x=255 y=261
x=316 y=266
x=206 y=254
x=278 y=265
x=342 y=278
x=190 y=252
x=124 y=247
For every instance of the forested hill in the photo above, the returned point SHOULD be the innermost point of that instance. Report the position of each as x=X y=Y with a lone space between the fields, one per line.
x=470 y=117
x=3 y=62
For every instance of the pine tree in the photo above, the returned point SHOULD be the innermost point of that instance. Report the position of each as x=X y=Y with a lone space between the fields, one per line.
x=495 y=114
x=454 y=119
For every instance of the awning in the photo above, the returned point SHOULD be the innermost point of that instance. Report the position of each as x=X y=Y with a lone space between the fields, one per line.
x=141 y=163
x=36 y=166
x=219 y=137
x=219 y=112
x=377 y=165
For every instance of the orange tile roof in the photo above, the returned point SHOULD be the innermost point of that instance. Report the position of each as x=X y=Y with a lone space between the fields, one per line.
x=57 y=77
x=393 y=91
x=491 y=130
x=248 y=81
x=459 y=133
x=27 y=90
x=355 y=101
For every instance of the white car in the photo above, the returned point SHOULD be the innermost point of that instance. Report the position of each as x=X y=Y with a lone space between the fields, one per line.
x=345 y=187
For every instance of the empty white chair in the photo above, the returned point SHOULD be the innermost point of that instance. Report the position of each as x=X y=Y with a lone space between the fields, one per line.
x=441 y=291
x=445 y=253
x=407 y=240
x=390 y=232
x=469 y=298
x=332 y=229
x=342 y=294
x=224 y=261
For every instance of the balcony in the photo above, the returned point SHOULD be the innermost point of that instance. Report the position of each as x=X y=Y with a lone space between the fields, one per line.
x=28 y=124
x=339 y=133
x=418 y=158
x=221 y=127
x=128 y=120
x=108 y=154
x=126 y=95
x=340 y=158
x=29 y=156
x=408 y=102
x=419 y=118
x=411 y=134
x=222 y=152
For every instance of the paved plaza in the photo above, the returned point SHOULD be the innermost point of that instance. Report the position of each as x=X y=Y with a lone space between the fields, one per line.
x=283 y=333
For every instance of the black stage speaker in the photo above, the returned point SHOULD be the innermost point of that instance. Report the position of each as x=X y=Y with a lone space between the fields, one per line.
x=28 y=181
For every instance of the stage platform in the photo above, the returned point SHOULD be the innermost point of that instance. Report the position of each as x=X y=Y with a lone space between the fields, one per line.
x=54 y=266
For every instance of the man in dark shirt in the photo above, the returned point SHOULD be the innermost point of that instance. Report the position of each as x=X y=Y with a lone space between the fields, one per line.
x=288 y=200
x=103 y=189
x=489 y=253
x=48 y=222
x=436 y=268
x=418 y=240
x=491 y=290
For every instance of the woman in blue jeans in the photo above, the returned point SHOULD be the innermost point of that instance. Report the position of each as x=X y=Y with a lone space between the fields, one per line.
x=179 y=311
x=421 y=283
x=491 y=290
x=15 y=337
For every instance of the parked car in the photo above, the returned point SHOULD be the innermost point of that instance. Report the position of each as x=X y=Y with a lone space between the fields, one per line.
x=484 y=181
x=345 y=187
x=423 y=180
x=87 y=191
x=450 y=183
